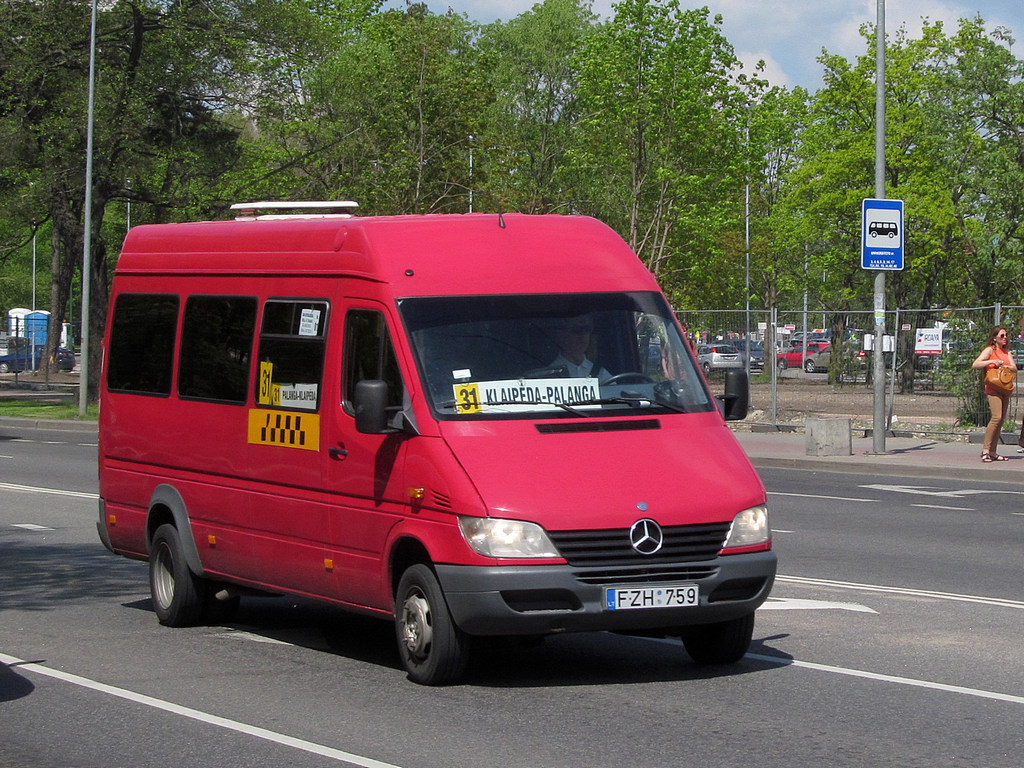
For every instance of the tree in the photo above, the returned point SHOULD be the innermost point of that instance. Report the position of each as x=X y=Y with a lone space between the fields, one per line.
x=658 y=151
x=527 y=130
x=162 y=78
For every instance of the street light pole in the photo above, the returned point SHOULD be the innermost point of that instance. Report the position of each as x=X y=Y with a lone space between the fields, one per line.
x=83 y=383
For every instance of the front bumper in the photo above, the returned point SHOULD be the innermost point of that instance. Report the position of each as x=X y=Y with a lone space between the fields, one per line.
x=545 y=599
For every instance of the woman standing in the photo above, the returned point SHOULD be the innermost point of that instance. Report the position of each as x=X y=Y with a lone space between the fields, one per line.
x=995 y=355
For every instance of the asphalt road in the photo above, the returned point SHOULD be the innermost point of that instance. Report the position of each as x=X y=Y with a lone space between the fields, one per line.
x=892 y=638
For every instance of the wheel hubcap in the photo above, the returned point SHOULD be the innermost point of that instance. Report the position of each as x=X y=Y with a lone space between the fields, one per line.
x=163 y=578
x=417 y=633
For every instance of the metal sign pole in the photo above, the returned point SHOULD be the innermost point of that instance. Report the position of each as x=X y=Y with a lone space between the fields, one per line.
x=878 y=425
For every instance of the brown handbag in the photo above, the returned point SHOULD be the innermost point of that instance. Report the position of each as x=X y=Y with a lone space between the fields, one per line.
x=1000 y=379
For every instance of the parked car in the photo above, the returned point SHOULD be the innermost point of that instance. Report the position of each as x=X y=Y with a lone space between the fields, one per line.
x=756 y=353
x=19 y=359
x=718 y=357
x=798 y=337
x=819 y=356
x=1017 y=350
x=66 y=360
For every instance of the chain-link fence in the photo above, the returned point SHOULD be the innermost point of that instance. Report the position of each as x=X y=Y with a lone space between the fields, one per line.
x=926 y=353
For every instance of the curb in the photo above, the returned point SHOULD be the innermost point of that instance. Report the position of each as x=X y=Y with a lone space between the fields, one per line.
x=52 y=425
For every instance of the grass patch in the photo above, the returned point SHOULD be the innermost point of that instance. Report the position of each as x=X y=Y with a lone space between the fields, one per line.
x=33 y=409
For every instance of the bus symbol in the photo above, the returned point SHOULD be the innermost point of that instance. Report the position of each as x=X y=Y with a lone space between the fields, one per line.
x=881 y=228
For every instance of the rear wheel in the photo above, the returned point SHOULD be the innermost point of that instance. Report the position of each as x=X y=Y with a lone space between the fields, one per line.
x=723 y=643
x=434 y=651
x=179 y=596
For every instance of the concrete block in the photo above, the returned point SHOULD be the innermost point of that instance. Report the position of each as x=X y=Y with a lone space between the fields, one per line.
x=828 y=437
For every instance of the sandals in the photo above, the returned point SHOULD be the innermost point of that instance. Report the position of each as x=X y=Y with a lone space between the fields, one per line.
x=988 y=458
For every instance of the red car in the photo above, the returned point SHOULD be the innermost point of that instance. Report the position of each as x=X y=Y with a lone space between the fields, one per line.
x=818 y=357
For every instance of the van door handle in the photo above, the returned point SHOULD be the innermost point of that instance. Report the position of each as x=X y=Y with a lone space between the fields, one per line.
x=338 y=454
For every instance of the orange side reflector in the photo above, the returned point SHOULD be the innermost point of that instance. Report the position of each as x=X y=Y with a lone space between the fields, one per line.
x=212 y=539
x=328 y=564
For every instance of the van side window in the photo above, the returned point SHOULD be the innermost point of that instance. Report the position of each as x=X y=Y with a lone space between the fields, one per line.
x=291 y=360
x=369 y=354
x=216 y=345
x=141 y=350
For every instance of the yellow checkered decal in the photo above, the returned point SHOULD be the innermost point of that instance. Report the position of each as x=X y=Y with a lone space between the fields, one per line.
x=284 y=428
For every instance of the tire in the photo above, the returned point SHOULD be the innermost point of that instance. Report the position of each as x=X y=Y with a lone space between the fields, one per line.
x=781 y=365
x=723 y=643
x=433 y=650
x=707 y=369
x=5 y=368
x=179 y=596
x=810 y=367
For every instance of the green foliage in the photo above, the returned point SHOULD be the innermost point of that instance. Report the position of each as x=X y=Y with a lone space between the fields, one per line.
x=658 y=148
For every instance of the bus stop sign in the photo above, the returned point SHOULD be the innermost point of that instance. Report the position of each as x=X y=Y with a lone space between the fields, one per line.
x=882 y=234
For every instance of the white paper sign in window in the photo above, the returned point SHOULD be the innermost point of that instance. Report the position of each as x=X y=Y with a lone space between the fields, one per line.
x=309 y=322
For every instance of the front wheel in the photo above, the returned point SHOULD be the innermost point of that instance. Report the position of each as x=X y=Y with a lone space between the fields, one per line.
x=434 y=651
x=810 y=367
x=723 y=643
x=179 y=596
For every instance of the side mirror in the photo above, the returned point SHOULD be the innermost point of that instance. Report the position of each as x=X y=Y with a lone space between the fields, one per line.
x=371 y=398
x=737 y=395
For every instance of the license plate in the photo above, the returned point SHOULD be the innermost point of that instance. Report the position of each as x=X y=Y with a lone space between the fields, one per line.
x=663 y=596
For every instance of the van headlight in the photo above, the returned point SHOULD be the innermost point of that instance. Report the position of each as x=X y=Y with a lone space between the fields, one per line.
x=750 y=531
x=494 y=537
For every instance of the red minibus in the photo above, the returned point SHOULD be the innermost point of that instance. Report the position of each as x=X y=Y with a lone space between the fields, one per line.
x=473 y=425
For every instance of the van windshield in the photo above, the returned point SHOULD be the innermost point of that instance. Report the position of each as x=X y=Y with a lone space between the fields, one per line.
x=552 y=355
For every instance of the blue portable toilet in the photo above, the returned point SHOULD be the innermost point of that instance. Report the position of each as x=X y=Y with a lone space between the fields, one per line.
x=32 y=325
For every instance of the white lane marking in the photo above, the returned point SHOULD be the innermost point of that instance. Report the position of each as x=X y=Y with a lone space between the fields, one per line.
x=940 y=506
x=195 y=714
x=797 y=604
x=53 y=442
x=888 y=678
x=996 y=601
x=925 y=490
x=819 y=496
x=238 y=634
x=31 y=527
x=54 y=491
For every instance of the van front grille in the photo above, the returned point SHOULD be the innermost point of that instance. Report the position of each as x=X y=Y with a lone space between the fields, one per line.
x=682 y=543
x=665 y=575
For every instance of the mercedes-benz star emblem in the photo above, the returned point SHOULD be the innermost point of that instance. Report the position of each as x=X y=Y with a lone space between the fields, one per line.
x=646 y=536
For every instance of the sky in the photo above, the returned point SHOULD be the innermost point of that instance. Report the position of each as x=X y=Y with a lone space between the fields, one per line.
x=788 y=35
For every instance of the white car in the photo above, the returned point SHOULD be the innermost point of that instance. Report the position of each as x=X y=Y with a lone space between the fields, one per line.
x=717 y=357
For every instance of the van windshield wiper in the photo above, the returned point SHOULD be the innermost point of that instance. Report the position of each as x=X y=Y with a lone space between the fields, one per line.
x=633 y=400
x=564 y=406
x=573 y=408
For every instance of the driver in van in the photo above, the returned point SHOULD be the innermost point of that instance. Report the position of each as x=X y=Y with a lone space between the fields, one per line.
x=573 y=336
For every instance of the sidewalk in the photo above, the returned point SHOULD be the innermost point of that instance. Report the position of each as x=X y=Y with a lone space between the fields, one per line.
x=903 y=457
